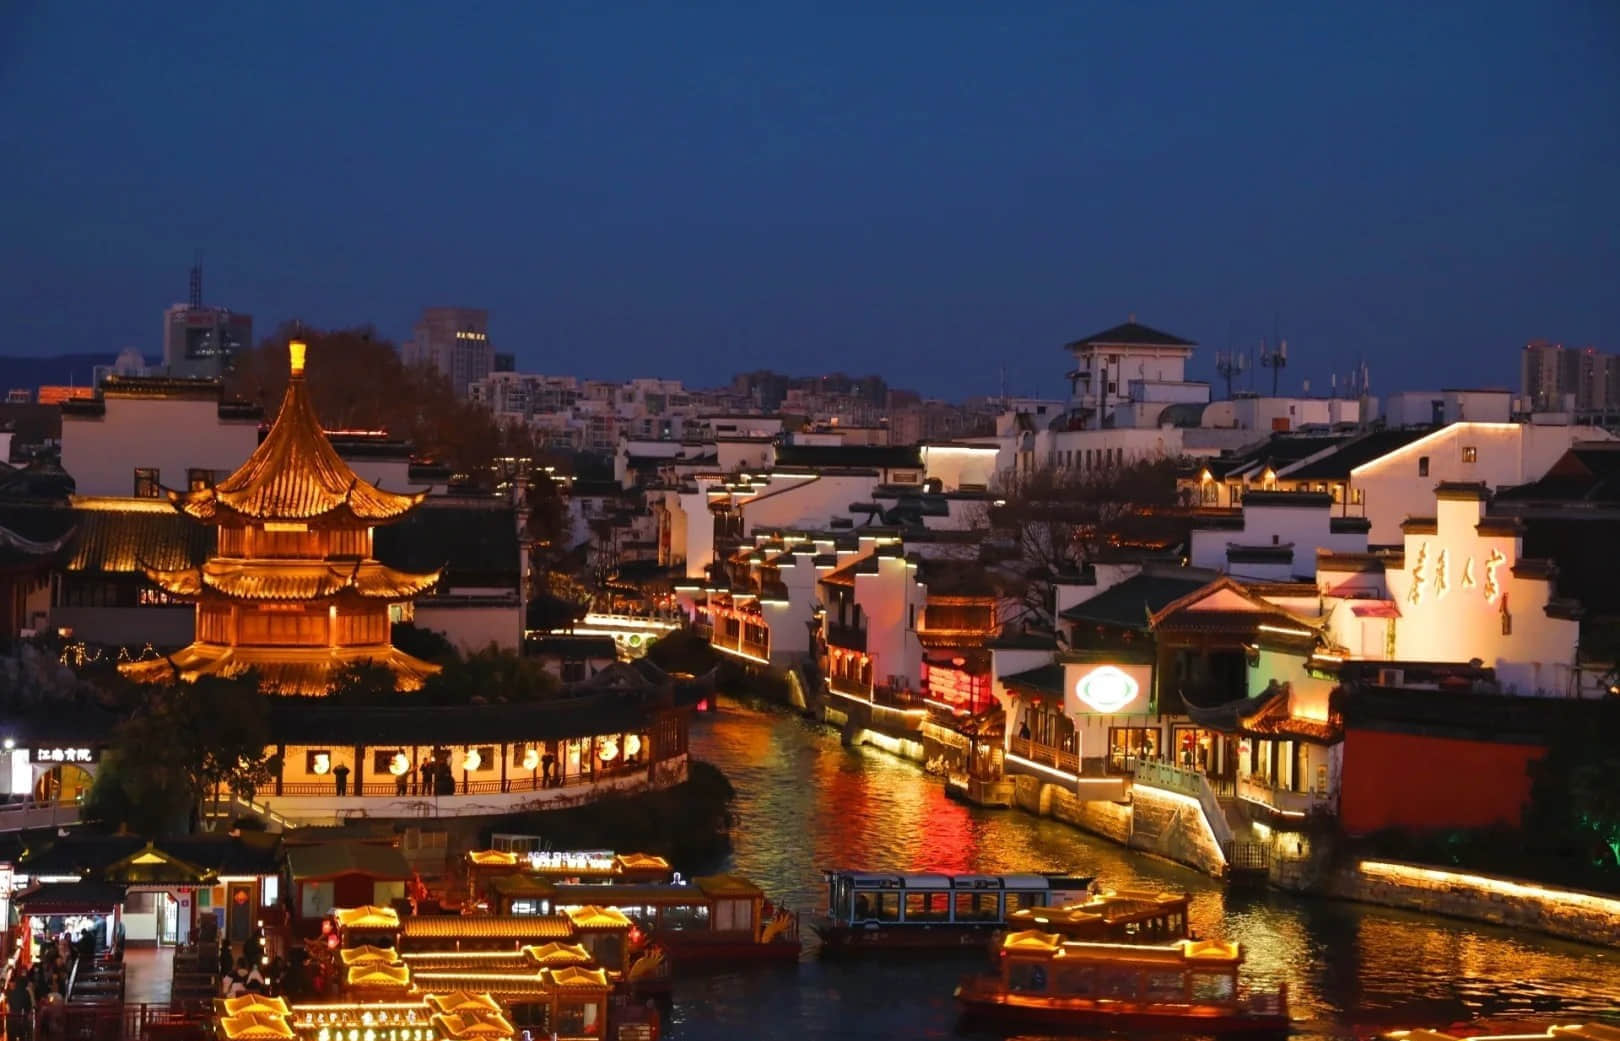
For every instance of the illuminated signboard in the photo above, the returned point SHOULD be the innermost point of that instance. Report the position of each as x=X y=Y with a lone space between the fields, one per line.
x=1107 y=689
x=66 y=755
x=585 y=860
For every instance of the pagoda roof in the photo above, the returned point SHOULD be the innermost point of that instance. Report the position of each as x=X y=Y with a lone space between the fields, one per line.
x=295 y=474
x=303 y=581
x=284 y=670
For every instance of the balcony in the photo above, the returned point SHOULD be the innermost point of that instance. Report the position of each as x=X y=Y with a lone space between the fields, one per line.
x=1045 y=755
x=847 y=637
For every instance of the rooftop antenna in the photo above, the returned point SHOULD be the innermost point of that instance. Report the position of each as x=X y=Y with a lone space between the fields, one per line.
x=1275 y=360
x=1229 y=364
x=196 y=282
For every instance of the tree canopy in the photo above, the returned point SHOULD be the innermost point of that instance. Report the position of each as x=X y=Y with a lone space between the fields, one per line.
x=183 y=743
x=358 y=381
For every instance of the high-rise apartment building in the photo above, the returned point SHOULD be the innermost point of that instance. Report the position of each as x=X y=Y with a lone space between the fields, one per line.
x=203 y=341
x=454 y=340
x=1555 y=378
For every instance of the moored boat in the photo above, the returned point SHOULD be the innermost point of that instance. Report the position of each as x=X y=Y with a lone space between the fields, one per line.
x=869 y=910
x=1112 y=916
x=1043 y=981
x=713 y=918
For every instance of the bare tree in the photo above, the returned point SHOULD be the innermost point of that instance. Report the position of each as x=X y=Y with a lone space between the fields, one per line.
x=1053 y=521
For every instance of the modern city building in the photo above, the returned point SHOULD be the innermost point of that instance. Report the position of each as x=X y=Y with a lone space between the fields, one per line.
x=455 y=341
x=203 y=342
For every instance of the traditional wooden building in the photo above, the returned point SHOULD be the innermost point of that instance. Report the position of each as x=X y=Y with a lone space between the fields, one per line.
x=293 y=589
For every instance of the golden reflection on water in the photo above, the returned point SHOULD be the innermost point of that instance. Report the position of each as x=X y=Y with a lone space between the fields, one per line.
x=806 y=803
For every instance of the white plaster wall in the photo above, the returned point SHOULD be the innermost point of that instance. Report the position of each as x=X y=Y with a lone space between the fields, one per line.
x=1307 y=528
x=956 y=465
x=1459 y=623
x=886 y=600
x=102 y=452
x=471 y=627
x=805 y=503
x=1507 y=454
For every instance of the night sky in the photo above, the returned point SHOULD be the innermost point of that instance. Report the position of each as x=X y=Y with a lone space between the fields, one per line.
x=934 y=194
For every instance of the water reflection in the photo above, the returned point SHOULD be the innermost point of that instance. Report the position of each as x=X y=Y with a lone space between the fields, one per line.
x=806 y=803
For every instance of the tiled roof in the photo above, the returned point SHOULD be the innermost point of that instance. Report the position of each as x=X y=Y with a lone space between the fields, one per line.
x=331 y=859
x=855 y=456
x=538 y=928
x=573 y=647
x=126 y=536
x=286 y=670
x=1130 y=603
x=1351 y=454
x=1044 y=679
x=298 y=721
x=292 y=582
x=1132 y=334
x=475 y=542
x=295 y=474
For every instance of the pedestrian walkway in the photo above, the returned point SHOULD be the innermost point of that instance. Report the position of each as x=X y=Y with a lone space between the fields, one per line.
x=148 y=975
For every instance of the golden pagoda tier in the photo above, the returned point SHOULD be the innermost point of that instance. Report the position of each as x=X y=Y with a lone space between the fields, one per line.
x=292 y=591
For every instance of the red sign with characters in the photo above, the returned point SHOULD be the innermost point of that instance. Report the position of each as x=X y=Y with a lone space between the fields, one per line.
x=965 y=693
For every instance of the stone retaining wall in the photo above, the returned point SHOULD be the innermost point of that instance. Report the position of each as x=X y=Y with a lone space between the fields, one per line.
x=1567 y=913
x=1152 y=822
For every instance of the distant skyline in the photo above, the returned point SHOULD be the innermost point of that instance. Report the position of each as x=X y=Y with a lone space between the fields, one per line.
x=934 y=194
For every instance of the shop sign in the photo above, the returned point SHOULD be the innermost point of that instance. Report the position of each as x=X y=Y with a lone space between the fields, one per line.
x=1107 y=689
x=66 y=755
x=586 y=860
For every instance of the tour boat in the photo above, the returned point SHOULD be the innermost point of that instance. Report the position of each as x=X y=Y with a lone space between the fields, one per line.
x=1045 y=982
x=1112 y=916
x=872 y=910
x=715 y=918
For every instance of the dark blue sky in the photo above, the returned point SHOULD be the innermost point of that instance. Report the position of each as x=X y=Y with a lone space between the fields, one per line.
x=927 y=194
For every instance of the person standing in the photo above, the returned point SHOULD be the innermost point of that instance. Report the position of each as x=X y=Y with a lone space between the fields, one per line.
x=340 y=774
x=19 y=1008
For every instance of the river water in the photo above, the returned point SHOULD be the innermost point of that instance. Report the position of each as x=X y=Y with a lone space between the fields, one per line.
x=806 y=803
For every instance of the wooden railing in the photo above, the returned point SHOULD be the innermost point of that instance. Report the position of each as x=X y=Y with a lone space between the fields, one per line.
x=1283 y=800
x=1044 y=754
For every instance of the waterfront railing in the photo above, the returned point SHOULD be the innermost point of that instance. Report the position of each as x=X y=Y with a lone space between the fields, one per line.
x=1172 y=778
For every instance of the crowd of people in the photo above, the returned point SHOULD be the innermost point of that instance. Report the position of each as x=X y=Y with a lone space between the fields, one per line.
x=36 y=994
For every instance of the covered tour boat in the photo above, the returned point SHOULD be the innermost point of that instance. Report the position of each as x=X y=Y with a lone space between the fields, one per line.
x=878 y=910
x=1112 y=916
x=1045 y=982
x=713 y=918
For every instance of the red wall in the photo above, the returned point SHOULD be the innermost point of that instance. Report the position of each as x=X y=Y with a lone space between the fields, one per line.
x=1431 y=783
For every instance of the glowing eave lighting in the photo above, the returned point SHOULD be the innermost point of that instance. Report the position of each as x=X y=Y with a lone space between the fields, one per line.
x=1284 y=630
x=1409 y=448
x=944 y=707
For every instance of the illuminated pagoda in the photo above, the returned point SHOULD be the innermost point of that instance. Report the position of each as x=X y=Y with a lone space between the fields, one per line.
x=292 y=590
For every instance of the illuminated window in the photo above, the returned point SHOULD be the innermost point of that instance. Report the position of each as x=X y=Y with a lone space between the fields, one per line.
x=1423 y=466
x=197 y=480
x=1470 y=454
x=146 y=482
x=1358 y=496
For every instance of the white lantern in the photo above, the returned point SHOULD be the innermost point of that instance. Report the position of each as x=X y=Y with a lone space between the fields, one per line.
x=323 y=763
x=472 y=761
x=531 y=759
x=632 y=744
x=399 y=765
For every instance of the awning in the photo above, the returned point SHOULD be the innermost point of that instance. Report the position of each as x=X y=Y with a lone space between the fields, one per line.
x=1376 y=609
x=70 y=898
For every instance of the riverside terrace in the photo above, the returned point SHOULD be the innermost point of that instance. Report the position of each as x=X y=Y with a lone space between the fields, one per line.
x=616 y=733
